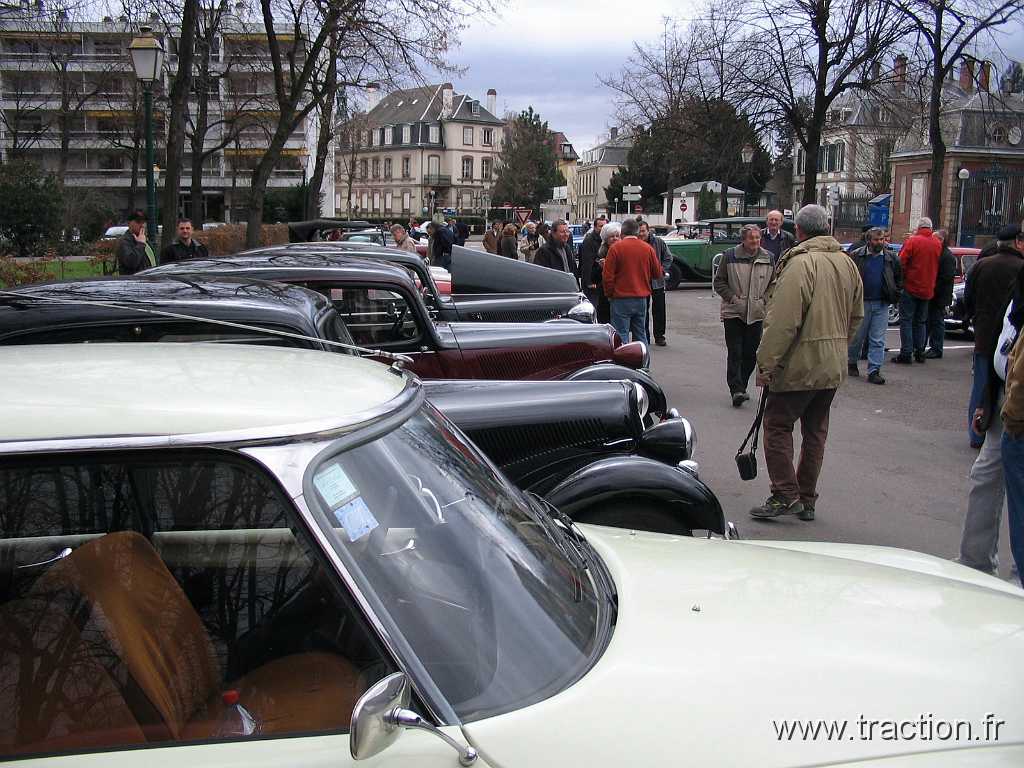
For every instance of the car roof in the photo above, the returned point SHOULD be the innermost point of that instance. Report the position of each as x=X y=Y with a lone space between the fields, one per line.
x=242 y=299
x=736 y=220
x=190 y=393
x=323 y=263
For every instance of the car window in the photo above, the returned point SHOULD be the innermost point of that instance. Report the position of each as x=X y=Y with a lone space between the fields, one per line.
x=374 y=317
x=157 y=332
x=188 y=584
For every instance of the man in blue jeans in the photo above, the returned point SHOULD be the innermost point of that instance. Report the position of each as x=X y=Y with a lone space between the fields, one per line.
x=883 y=282
x=629 y=268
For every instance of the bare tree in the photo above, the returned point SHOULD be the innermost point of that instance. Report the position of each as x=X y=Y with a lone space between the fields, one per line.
x=947 y=30
x=349 y=127
x=812 y=52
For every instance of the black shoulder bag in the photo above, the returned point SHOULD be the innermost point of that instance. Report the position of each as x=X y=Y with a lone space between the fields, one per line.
x=746 y=462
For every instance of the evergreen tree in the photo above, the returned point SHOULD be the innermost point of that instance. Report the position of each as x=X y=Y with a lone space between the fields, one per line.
x=527 y=165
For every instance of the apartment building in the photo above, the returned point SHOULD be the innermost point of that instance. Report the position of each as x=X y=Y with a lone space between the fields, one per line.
x=69 y=100
x=417 y=151
x=595 y=172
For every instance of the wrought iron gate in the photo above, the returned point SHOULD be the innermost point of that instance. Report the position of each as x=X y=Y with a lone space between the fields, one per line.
x=992 y=198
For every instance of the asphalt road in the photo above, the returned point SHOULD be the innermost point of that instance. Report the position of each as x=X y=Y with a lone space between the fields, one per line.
x=897 y=458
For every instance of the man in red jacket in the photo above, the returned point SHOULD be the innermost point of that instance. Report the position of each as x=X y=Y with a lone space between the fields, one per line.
x=920 y=259
x=629 y=268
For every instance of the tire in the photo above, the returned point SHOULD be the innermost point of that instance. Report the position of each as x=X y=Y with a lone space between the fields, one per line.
x=894 y=314
x=675 y=277
x=640 y=515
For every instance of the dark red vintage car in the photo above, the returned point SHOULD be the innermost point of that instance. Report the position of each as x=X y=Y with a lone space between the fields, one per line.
x=383 y=309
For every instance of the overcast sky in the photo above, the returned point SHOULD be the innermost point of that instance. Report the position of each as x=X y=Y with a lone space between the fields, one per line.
x=551 y=55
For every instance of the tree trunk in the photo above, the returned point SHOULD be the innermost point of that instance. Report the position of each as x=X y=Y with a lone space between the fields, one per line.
x=323 y=146
x=198 y=141
x=811 y=148
x=261 y=175
x=177 y=104
x=935 y=126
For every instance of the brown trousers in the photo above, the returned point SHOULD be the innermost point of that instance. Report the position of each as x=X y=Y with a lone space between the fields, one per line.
x=781 y=412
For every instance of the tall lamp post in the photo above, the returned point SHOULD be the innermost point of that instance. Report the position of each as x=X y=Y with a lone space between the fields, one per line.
x=148 y=61
x=747 y=155
x=963 y=175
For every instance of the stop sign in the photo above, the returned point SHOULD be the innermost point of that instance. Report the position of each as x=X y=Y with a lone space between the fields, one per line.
x=682 y=206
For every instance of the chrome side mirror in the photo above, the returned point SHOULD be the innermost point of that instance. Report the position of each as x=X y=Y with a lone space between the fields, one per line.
x=382 y=713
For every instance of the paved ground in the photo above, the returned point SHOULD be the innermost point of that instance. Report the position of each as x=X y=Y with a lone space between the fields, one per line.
x=897 y=459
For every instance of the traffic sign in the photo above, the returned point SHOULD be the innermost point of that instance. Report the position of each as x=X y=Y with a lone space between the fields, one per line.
x=683 y=206
x=630 y=197
x=638 y=209
x=524 y=214
x=632 y=189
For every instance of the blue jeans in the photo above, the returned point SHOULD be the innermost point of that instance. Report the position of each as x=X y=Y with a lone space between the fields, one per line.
x=630 y=315
x=1013 y=471
x=978 y=388
x=874 y=325
x=913 y=325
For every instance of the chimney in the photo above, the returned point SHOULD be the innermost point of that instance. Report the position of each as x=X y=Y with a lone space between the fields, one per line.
x=967 y=75
x=985 y=77
x=613 y=134
x=372 y=96
x=447 y=99
x=492 y=98
x=154 y=18
x=899 y=69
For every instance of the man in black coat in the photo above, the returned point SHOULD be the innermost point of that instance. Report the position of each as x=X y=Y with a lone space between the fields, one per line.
x=942 y=297
x=184 y=247
x=441 y=241
x=134 y=254
x=556 y=252
x=588 y=255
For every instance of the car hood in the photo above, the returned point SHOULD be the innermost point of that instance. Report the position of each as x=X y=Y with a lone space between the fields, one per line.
x=716 y=639
x=485 y=335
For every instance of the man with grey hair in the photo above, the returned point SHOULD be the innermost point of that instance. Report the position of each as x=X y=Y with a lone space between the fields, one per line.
x=774 y=238
x=882 y=278
x=919 y=258
x=814 y=307
x=741 y=280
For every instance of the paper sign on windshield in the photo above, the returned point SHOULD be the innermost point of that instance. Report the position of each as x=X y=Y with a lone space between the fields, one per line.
x=356 y=518
x=334 y=485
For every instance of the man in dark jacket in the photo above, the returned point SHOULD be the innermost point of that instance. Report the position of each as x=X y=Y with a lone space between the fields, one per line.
x=556 y=253
x=134 y=254
x=184 y=247
x=441 y=242
x=986 y=294
x=775 y=239
x=588 y=254
x=492 y=238
x=657 y=312
x=919 y=258
x=941 y=299
x=882 y=277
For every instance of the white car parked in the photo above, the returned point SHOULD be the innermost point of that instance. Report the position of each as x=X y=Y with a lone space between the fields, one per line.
x=227 y=555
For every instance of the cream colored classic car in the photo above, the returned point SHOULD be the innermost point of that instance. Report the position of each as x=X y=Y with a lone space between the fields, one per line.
x=200 y=568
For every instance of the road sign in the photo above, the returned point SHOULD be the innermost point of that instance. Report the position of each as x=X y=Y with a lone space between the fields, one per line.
x=630 y=197
x=632 y=189
x=524 y=214
x=638 y=209
x=683 y=206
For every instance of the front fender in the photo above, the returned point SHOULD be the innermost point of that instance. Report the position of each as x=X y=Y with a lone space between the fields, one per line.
x=658 y=403
x=631 y=477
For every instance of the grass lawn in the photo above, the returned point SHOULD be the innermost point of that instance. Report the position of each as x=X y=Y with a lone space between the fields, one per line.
x=73 y=270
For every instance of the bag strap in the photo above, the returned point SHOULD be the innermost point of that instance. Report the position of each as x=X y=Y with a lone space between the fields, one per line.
x=755 y=428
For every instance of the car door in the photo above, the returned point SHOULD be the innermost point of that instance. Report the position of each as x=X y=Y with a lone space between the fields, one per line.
x=143 y=593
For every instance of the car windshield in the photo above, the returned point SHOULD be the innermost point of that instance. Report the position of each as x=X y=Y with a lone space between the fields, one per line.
x=492 y=597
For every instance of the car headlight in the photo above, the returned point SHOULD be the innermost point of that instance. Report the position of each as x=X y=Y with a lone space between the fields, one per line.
x=583 y=312
x=642 y=400
x=671 y=441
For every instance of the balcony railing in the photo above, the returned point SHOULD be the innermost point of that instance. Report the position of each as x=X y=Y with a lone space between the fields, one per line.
x=437 y=180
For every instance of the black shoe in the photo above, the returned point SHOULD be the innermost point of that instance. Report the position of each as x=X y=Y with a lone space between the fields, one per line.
x=901 y=360
x=875 y=377
x=931 y=354
x=852 y=369
x=737 y=399
x=660 y=341
x=745 y=396
x=919 y=357
x=807 y=513
x=774 y=506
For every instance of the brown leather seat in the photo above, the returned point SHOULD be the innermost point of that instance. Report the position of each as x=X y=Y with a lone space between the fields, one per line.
x=154 y=640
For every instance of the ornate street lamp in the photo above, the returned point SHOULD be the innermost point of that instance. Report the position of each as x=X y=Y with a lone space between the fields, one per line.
x=963 y=175
x=148 y=61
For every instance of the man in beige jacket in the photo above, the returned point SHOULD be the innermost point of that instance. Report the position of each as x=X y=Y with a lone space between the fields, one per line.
x=815 y=304
x=741 y=280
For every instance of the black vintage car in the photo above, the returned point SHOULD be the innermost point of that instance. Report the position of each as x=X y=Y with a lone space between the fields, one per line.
x=383 y=308
x=484 y=287
x=582 y=446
